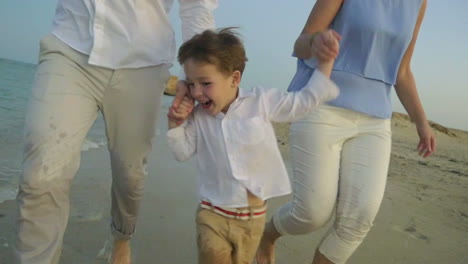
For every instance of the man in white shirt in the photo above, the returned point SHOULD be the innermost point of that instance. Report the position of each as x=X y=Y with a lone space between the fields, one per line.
x=109 y=56
x=231 y=135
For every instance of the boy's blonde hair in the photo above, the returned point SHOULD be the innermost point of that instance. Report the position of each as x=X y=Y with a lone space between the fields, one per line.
x=222 y=48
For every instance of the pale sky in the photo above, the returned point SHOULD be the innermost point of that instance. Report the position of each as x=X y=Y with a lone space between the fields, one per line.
x=269 y=29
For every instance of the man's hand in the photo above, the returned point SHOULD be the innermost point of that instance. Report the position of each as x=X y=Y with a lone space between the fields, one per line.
x=181 y=91
x=177 y=115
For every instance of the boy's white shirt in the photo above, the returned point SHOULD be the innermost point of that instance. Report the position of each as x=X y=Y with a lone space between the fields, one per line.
x=238 y=150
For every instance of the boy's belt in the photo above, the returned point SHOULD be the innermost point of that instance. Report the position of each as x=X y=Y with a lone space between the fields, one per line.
x=241 y=214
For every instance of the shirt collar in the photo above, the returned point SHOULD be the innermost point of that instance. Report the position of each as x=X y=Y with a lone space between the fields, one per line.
x=243 y=93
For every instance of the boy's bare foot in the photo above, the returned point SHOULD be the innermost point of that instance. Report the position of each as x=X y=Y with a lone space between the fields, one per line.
x=121 y=252
x=265 y=252
x=266 y=249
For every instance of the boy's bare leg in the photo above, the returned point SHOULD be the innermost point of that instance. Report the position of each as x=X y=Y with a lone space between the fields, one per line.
x=121 y=252
x=266 y=249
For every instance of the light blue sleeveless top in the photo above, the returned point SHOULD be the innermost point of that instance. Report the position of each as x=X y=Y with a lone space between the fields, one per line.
x=375 y=35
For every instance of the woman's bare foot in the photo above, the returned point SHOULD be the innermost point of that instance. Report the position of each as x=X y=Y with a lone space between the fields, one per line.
x=121 y=252
x=266 y=249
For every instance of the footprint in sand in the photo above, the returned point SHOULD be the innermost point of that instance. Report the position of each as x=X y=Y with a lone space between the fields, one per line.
x=4 y=242
x=411 y=231
x=89 y=217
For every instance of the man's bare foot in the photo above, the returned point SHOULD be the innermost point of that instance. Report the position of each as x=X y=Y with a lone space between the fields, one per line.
x=121 y=252
x=266 y=249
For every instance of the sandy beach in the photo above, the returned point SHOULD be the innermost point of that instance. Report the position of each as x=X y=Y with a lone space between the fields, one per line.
x=423 y=218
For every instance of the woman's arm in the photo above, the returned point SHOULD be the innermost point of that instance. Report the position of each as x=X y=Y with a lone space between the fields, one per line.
x=405 y=88
x=322 y=14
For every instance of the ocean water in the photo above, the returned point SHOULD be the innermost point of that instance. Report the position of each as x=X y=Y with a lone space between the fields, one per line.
x=16 y=79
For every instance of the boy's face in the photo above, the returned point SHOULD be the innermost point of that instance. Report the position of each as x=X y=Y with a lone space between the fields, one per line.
x=210 y=87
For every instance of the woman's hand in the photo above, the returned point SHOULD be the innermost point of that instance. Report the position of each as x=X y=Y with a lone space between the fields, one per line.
x=325 y=45
x=427 y=142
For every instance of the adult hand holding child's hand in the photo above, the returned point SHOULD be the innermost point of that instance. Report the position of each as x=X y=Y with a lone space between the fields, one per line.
x=177 y=115
x=325 y=45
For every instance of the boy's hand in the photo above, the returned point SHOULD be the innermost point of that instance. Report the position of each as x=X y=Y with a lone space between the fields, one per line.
x=325 y=45
x=177 y=115
x=181 y=91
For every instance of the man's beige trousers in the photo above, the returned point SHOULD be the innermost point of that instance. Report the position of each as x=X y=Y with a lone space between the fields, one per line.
x=67 y=95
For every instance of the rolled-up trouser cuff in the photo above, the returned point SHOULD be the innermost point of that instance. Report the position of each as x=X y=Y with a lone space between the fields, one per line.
x=277 y=221
x=337 y=250
x=117 y=234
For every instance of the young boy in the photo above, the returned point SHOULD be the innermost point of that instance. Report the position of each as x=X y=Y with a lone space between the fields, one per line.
x=230 y=131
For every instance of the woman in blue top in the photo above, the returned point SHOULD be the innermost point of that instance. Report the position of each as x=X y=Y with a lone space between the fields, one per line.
x=341 y=152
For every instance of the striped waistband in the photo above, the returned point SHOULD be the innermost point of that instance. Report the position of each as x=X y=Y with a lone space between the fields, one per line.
x=236 y=213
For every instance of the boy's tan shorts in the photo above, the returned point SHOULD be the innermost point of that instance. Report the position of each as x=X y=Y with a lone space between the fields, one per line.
x=224 y=240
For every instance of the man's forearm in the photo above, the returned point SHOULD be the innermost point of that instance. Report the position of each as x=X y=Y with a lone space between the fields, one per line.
x=196 y=17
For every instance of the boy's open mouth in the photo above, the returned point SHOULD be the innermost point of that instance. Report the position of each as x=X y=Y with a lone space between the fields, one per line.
x=206 y=104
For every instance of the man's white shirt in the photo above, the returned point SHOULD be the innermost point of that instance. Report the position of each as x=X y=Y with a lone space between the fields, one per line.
x=128 y=33
x=238 y=151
